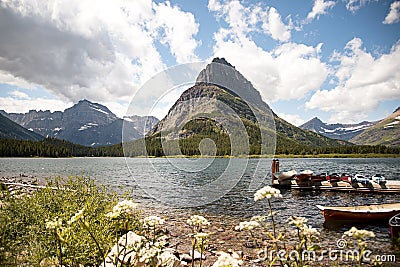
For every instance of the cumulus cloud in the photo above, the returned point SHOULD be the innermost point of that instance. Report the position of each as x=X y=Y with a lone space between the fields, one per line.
x=394 y=14
x=246 y=19
x=290 y=71
x=319 y=8
x=362 y=82
x=294 y=119
x=18 y=105
x=354 y=5
x=19 y=94
x=100 y=50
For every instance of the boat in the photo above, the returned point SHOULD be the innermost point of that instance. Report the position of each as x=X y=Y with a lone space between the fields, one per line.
x=307 y=181
x=366 y=213
x=346 y=178
x=394 y=224
x=319 y=178
x=379 y=179
x=333 y=178
x=359 y=178
x=283 y=176
x=304 y=175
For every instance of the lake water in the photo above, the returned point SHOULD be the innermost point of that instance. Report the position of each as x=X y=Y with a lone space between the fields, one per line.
x=222 y=187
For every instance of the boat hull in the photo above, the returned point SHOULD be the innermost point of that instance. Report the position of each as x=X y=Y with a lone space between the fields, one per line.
x=334 y=215
x=364 y=214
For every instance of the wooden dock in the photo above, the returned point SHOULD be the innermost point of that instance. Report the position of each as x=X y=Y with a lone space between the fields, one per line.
x=391 y=187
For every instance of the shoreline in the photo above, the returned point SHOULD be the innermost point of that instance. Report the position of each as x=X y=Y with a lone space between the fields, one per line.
x=224 y=236
x=327 y=156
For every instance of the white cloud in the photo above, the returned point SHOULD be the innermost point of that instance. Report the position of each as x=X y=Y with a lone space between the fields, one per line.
x=362 y=83
x=100 y=50
x=394 y=14
x=319 y=8
x=354 y=5
x=290 y=71
x=19 y=94
x=246 y=19
x=16 y=105
x=292 y=118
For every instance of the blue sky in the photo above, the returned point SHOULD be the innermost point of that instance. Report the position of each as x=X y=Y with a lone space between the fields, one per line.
x=338 y=60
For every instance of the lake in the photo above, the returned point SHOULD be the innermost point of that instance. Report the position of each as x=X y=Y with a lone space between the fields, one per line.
x=222 y=187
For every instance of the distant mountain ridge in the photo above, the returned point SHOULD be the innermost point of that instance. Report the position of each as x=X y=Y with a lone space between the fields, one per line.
x=337 y=131
x=85 y=123
x=12 y=130
x=385 y=132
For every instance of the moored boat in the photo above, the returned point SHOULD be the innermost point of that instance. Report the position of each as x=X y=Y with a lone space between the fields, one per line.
x=304 y=175
x=378 y=178
x=366 y=213
x=359 y=178
x=286 y=175
x=394 y=224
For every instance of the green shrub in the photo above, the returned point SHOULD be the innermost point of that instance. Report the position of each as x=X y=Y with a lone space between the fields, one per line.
x=25 y=238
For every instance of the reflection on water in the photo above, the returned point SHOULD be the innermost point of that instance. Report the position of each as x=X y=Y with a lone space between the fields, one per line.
x=172 y=178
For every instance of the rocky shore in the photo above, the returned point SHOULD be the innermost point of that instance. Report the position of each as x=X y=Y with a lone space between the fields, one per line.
x=223 y=236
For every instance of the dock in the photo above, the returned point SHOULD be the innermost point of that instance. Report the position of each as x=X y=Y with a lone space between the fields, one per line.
x=390 y=187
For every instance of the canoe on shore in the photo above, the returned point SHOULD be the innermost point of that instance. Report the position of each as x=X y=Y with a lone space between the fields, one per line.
x=367 y=213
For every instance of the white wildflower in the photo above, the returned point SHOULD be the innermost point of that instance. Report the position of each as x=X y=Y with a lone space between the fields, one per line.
x=247 y=225
x=76 y=217
x=125 y=207
x=152 y=221
x=54 y=224
x=309 y=231
x=197 y=220
x=201 y=235
x=267 y=192
x=297 y=221
x=226 y=260
x=358 y=234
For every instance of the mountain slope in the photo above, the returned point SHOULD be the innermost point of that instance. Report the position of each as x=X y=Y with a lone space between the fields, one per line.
x=223 y=104
x=12 y=130
x=85 y=123
x=337 y=131
x=386 y=132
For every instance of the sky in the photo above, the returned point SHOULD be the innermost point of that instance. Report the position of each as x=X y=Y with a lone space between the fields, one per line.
x=338 y=60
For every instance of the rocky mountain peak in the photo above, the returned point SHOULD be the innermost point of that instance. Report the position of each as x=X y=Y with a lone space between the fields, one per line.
x=221 y=73
x=397 y=110
x=222 y=60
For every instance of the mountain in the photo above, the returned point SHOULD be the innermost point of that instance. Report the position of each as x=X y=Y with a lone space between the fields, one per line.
x=85 y=123
x=337 y=130
x=12 y=130
x=385 y=132
x=225 y=107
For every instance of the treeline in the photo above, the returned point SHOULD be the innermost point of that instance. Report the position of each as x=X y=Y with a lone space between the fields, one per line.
x=152 y=146
x=51 y=147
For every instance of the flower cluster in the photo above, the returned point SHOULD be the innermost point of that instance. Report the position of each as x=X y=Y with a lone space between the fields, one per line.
x=152 y=222
x=358 y=234
x=297 y=221
x=201 y=236
x=125 y=207
x=197 y=220
x=227 y=260
x=267 y=192
x=247 y=225
x=76 y=217
x=54 y=224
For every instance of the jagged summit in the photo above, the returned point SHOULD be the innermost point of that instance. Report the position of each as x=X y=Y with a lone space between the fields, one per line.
x=221 y=73
x=222 y=60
